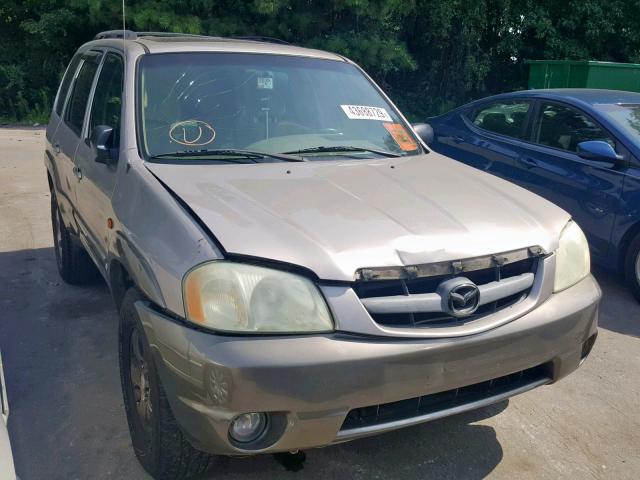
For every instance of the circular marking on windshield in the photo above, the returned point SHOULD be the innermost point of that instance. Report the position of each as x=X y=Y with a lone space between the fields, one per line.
x=193 y=133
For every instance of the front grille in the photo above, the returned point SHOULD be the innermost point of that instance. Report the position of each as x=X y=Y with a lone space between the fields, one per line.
x=411 y=286
x=408 y=320
x=442 y=401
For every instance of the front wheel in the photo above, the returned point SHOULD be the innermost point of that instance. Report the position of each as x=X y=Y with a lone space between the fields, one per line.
x=158 y=442
x=632 y=267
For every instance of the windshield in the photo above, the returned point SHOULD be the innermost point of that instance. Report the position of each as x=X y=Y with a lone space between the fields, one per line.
x=626 y=115
x=197 y=102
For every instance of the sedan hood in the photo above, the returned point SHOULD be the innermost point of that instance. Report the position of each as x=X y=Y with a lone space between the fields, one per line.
x=334 y=217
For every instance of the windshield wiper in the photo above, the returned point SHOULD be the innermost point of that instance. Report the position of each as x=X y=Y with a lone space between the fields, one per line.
x=248 y=154
x=343 y=148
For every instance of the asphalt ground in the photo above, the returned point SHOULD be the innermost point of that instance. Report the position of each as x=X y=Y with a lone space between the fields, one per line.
x=67 y=419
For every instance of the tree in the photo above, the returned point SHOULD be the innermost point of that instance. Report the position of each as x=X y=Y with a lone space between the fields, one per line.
x=429 y=55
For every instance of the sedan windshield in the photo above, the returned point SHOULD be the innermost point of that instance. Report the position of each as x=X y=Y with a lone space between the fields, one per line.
x=626 y=115
x=212 y=104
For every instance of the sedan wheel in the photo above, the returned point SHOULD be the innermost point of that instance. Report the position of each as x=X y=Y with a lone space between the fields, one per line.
x=632 y=267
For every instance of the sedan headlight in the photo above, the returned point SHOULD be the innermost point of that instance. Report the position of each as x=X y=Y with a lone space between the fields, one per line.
x=572 y=258
x=236 y=297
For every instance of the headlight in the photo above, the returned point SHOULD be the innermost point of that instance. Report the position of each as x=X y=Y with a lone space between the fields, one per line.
x=235 y=297
x=572 y=257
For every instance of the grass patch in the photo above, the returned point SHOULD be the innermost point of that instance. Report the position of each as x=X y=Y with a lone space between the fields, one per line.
x=29 y=119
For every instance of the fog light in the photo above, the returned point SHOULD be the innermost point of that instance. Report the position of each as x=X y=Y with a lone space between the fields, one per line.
x=248 y=427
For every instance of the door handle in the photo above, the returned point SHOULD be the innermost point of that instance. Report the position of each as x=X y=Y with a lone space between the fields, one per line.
x=597 y=209
x=56 y=148
x=529 y=162
x=77 y=172
x=458 y=139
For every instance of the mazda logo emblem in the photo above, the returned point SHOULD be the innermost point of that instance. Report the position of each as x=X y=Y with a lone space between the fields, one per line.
x=460 y=296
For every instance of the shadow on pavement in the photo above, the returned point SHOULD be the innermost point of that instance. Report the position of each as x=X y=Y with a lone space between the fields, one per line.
x=59 y=344
x=619 y=310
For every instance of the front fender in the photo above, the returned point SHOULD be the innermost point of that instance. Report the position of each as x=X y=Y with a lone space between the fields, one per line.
x=155 y=238
x=136 y=265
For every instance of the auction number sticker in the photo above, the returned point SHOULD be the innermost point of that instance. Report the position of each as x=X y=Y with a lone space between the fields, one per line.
x=362 y=112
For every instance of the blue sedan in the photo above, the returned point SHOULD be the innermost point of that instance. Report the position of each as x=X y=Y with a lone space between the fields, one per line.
x=579 y=148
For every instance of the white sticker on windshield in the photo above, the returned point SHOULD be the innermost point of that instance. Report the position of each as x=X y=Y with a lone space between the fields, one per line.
x=265 y=83
x=361 y=112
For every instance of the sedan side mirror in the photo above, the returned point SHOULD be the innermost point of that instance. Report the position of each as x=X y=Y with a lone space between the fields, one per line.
x=599 y=151
x=424 y=131
x=101 y=141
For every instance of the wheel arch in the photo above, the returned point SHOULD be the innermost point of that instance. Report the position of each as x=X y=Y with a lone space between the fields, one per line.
x=63 y=201
x=128 y=268
x=51 y=171
x=119 y=281
x=631 y=233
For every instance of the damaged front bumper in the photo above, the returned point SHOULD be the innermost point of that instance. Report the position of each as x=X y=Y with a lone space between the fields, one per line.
x=322 y=389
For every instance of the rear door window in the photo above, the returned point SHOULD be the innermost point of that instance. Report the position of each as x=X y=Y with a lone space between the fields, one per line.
x=66 y=83
x=77 y=105
x=564 y=127
x=107 y=100
x=504 y=118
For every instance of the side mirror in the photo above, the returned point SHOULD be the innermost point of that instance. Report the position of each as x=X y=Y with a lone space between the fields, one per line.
x=599 y=151
x=101 y=141
x=424 y=131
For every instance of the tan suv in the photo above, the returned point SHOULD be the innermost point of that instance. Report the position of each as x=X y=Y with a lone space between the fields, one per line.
x=292 y=266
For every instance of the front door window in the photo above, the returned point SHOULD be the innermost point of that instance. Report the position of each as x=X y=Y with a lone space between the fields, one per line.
x=107 y=100
x=564 y=127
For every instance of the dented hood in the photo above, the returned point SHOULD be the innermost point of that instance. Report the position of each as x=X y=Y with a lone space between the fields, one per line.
x=334 y=217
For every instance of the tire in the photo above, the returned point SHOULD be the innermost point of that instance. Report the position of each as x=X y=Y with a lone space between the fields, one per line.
x=158 y=442
x=74 y=265
x=632 y=267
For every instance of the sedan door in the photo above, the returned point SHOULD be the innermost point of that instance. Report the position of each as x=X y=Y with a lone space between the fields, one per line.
x=550 y=166
x=97 y=179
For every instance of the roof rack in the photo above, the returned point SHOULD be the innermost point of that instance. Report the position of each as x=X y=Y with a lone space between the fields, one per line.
x=126 y=34
x=260 y=38
x=131 y=35
x=171 y=34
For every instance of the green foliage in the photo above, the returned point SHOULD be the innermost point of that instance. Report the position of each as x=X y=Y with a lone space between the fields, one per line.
x=429 y=55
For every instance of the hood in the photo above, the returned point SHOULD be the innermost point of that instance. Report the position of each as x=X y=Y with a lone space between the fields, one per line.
x=334 y=217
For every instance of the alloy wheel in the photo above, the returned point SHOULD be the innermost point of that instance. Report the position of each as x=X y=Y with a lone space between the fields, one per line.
x=141 y=388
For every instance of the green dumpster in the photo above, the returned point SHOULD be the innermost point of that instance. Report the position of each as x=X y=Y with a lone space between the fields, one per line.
x=584 y=74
